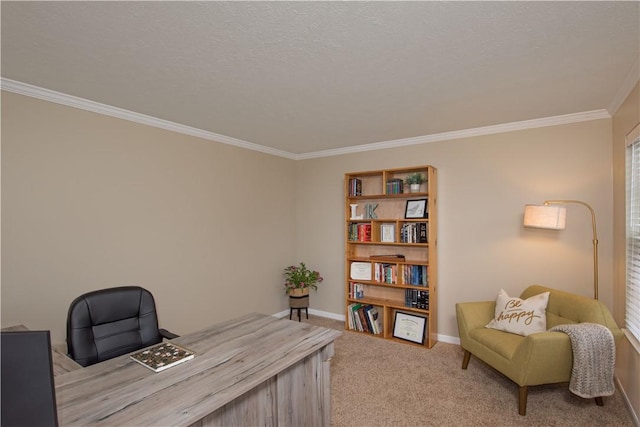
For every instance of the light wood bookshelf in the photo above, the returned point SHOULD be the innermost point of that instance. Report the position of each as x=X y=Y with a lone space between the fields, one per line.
x=386 y=233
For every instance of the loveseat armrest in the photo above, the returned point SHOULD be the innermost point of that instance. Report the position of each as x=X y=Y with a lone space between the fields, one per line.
x=541 y=358
x=473 y=315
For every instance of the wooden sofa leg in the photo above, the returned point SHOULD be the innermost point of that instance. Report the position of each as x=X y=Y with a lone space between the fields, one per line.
x=522 y=399
x=465 y=359
x=599 y=401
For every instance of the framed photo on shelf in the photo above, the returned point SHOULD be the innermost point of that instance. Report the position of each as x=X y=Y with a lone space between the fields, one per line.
x=409 y=327
x=360 y=271
x=388 y=233
x=416 y=209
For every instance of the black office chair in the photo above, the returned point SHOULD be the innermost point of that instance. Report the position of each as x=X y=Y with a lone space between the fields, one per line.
x=110 y=322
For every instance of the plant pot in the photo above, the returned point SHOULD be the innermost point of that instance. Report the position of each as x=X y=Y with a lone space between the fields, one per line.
x=299 y=292
x=299 y=298
x=414 y=188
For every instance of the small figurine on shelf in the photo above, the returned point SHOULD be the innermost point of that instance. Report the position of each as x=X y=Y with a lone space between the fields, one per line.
x=370 y=209
x=354 y=210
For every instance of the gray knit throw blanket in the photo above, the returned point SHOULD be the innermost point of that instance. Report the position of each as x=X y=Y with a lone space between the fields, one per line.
x=594 y=355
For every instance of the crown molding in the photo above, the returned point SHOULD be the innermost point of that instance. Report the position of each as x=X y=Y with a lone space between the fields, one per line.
x=96 y=107
x=466 y=133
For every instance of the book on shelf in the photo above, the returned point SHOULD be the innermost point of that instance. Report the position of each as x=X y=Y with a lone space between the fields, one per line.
x=394 y=257
x=350 y=315
x=364 y=318
x=162 y=356
x=356 y=290
x=353 y=232
x=360 y=232
x=414 y=275
x=414 y=232
x=387 y=259
x=385 y=272
x=395 y=186
x=364 y=232
x=355 y=187
x=416 y=298
x=354 y=319
x=422 y=233
x=374 y=319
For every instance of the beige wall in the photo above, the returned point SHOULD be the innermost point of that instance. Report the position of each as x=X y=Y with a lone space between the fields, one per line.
x=484 y=183
x=90 y=201
x=628 y=357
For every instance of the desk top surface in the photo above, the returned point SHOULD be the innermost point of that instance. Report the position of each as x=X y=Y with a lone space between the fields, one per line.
x=232 y=358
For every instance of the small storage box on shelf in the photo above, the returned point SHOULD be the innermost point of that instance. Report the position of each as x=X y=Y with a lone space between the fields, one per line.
x=391 y=255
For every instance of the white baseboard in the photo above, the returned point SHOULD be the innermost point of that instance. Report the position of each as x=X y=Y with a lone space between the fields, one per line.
x=634 y=416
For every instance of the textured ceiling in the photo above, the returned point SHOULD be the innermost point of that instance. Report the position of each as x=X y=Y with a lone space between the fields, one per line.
x=308 y=76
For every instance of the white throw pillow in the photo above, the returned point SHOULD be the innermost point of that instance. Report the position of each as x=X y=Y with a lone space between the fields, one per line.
x=518 y=316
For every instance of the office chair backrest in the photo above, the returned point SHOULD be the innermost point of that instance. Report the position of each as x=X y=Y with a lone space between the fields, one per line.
x=110 y=322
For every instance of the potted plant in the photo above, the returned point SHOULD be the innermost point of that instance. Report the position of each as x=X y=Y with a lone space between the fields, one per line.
x=299 y=279
x=414 y=180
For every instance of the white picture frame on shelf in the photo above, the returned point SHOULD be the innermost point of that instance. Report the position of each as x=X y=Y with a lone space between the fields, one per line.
x=388 y=233
x=360 y=271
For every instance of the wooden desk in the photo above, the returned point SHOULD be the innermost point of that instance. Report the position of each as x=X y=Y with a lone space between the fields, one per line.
x=255 y=370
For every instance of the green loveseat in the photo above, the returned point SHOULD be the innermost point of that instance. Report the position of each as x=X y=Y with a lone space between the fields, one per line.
x=540 y=358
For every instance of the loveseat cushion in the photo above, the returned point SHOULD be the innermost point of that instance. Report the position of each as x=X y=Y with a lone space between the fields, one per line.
x=567 y=308
x=497 y=341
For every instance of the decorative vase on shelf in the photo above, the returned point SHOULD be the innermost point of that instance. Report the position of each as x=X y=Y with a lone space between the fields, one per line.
x=414 y=180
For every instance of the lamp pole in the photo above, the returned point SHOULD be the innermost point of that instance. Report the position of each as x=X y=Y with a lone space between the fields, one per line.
x=595 y=238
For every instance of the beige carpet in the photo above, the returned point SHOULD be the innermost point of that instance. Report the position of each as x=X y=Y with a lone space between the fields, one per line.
x=376 y=382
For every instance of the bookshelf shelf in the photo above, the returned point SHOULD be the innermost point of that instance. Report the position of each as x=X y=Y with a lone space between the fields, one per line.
x=390 y=260
x=388 y=303
x=388 y=285
x=386 y=196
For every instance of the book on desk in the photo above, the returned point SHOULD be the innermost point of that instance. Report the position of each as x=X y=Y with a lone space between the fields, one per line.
x=162 y=356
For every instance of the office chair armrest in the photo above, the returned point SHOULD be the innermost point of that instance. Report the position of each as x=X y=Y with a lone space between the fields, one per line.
x=166 y=334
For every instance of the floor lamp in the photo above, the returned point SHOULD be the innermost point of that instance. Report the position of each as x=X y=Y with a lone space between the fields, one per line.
x=554 y=218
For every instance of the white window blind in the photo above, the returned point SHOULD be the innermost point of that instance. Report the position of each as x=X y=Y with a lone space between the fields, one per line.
x=632 y=316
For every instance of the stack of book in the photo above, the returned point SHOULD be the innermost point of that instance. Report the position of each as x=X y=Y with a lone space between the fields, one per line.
x=364 y=318
x=356 y=290
x=385 y=273
x=355 y=187
x=395 y=186
x=416 y=298
x=359 y=232
x=414 y=275
x=414 y=232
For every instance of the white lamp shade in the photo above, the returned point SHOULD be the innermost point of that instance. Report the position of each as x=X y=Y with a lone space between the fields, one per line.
x=545 y=216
